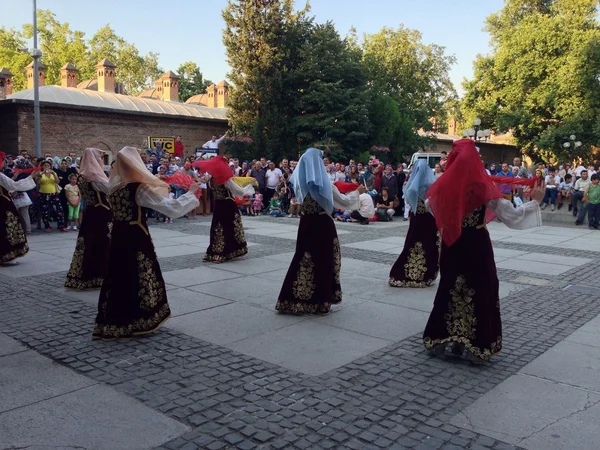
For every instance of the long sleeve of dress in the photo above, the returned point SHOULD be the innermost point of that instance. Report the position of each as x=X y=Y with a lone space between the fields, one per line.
x=101 y=187
x=528 y=215
x=170 y=207
x=23 y=185
x=238 y=191
x=345 y=201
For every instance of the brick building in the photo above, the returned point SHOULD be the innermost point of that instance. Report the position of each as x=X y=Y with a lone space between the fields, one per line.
x=97 y=113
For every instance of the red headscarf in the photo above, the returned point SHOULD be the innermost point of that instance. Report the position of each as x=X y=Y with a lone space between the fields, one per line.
x=464 y=187
x=217 y=167
x=345 y=187
x=2 y=155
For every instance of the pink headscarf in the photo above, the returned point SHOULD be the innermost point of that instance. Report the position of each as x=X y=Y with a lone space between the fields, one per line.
x=91 y=167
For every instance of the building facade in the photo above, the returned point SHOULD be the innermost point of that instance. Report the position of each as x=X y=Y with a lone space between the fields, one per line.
x=97 y=113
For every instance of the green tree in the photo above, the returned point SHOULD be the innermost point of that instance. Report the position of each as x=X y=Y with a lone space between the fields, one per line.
x=540 y=80
x=59 y=45
x=415 y=75
x=191 y=81
x=136 y=72
x=262 y=40
x=10 y=57
x=333 y=101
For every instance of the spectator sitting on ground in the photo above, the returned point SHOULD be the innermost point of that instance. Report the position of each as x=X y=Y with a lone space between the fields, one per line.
x=275 y=208
x=564 y=191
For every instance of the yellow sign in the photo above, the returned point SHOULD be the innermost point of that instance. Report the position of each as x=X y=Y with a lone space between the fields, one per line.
x=168 y=143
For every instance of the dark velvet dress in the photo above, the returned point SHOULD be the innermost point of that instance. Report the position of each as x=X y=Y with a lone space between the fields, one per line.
x=227 y=240
x=90 y=259
x=466 y=309
x=418 y=264
x=133 y=298
x=312 y=283
x=13 y=240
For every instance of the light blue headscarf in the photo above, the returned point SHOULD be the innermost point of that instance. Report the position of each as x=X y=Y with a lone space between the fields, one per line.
x=420 y=180
x=310 y=177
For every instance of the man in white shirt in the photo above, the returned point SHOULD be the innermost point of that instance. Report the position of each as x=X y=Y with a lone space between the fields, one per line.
x=214 y=142
x=272 y=178
x=366 y=209
x=577 y=194
x=552 y=182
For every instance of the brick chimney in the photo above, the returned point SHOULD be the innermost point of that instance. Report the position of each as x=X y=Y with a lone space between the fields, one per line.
x=105 y=71
x=211 y=92
x=170 y=85
x=5 y=83
x=41 y=74
x=222 y=94
x=68 y=76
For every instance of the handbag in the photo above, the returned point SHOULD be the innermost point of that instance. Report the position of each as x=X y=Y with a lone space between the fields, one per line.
x=21 y=200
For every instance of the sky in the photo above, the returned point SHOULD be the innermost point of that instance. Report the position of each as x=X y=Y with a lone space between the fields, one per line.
x=191 y=30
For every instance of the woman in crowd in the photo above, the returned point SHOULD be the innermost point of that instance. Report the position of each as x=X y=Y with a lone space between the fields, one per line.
x=312 y=283
x=227 y=240
x=418 y=264
x=13 y=240
x=50 y=205
x=466 y=310
x=90 y=260
x=133 y=298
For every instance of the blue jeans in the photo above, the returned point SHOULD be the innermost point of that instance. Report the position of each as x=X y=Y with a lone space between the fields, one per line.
x=593 y=215
x=277 y=213
x=550 y=196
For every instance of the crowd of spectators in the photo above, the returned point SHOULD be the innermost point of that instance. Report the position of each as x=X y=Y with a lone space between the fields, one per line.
x=56 y=196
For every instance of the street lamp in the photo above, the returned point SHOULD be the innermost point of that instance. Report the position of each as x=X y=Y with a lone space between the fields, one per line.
x=475 y=133
x=572 y=142
x=36 y=54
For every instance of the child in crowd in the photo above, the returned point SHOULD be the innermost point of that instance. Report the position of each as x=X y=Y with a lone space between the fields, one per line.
x=245 y=205
x=592 y=198
x=285 y=190
x=257 y=203
x=275 y=206
x=294 y=207
x=73 y=199
x=564 y=190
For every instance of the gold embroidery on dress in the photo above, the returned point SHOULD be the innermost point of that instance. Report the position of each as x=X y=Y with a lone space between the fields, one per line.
x=304 y=286
x=136 y=328
x=474 y=218
x=151 y=291
x=238 y=229
x=218 y=241
x=14 y=231
x=75 y=274
x=415 y=266
x=310 y=206
x=122 y=206
x=220 y=192
x=337 y=261
x=460 y=319
x=421 y=208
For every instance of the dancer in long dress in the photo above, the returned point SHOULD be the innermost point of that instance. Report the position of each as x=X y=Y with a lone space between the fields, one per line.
x=312 y=283
x=13 y=240
x=133 y=298
x=227 y=239
x=466 y=310
x=90 y=260
x=418 y=264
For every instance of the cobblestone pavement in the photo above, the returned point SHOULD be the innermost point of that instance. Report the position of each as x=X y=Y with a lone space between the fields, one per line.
x=396 y=397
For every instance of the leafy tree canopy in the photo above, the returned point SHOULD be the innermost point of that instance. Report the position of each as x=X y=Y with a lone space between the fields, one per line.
x=541 y=79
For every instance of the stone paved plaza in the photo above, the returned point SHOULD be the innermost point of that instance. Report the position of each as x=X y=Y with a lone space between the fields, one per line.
x=227 y=371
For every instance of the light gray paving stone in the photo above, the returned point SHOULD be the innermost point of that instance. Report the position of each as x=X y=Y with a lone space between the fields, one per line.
x=96 y=417
x=27 y=378
x=311 y=347
x=522 y=407
x=198 y=275
x=9 y=346
x=185 y=301
x=570 y=363
x=229 y=323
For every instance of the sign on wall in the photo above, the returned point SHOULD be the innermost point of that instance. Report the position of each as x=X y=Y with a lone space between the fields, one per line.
x=168 y=143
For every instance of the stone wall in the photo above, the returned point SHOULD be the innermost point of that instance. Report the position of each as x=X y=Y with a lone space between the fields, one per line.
x=65 y=130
